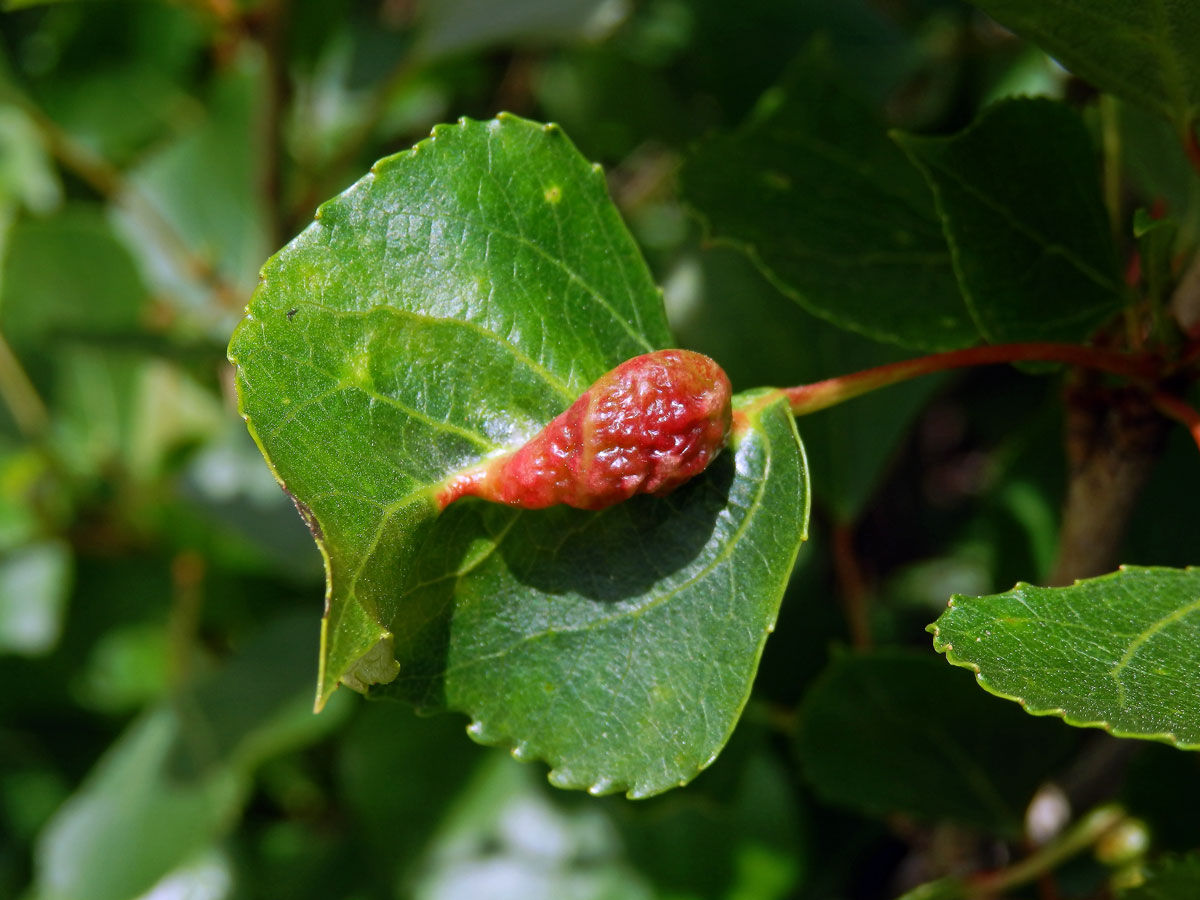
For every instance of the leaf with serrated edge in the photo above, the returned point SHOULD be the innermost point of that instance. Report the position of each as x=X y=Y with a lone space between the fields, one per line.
x=442 y=310
x=1119 y=652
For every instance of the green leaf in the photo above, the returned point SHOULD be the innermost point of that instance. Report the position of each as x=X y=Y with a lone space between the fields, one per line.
x=761 y=338
x=1171 y=879
x=619 y=646
x=131 y=824
x=177 y=777
x=506 y=837
x=898 y=732
x=1120 y=652
x=445 y=307
x=206 y=185
x=737 y=832
x=67 y=273
x=27 y=175
x=34 y=583
x=1144 y=51
x=457 y=26
x=1019 y=197
x=812 y=189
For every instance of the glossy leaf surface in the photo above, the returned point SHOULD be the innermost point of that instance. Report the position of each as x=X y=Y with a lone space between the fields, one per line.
x=1019 y=195
x=445 y=308
x=1144 y=52
x=1120 y=652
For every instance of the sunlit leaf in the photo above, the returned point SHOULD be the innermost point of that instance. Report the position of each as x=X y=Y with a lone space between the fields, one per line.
x=1120 y=652
x=445 y=307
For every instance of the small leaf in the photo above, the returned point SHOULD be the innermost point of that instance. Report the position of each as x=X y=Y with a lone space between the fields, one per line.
x=130 y=824
x=791 y=189
x=445 y=308
x=35 y=581
x=914 y=737
x=1171 y=879
x=177 y=777
x=1144 y=51
x=1120 y=652
x=1019 y=197
x=67 y=273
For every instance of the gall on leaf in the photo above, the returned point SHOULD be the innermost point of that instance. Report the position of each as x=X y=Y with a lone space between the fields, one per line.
x=645 y=427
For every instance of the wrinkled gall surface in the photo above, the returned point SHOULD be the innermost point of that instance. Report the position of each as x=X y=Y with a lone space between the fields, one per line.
x=645 y=427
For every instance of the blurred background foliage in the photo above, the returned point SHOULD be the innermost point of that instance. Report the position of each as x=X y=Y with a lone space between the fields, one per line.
x=159 y=596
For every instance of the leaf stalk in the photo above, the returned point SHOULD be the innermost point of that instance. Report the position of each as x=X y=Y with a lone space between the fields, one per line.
x=810 y=398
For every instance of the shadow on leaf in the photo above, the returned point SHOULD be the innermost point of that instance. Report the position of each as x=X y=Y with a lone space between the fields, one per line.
x=494 y=576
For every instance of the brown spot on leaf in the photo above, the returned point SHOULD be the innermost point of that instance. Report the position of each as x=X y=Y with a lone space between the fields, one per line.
x=307 y=515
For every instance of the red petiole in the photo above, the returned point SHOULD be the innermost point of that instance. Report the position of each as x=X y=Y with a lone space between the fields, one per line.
x=809 y=398
x=1145 y=368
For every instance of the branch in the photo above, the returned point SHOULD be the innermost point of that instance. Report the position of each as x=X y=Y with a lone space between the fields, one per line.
x=27 y=408
x=1090 y=829
x=110 y=183
x=1174 y=408
x=851 y=586
x=1112 y=438
x=320 y=185
x=270 y=27
x=809 y=398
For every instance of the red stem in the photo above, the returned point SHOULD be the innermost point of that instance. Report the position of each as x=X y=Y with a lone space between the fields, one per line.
x=808 y=398
x=1175 y=408
x=852 y=586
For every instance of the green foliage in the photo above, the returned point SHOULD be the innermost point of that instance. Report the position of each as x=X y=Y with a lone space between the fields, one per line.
x=787 y=188
x=185 y=768
x=873 y=738
x=1020 y=203
x=1114 y=652
x=512 y=288
x=1173 y=879
x=1144 y=52
x=907 y=176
